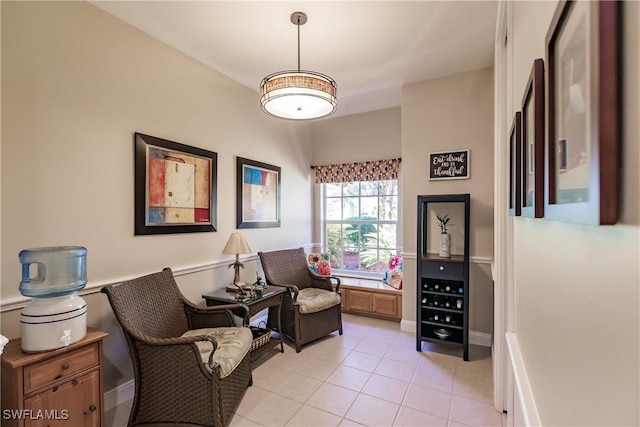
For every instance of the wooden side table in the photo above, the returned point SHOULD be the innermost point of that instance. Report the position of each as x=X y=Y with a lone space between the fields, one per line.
x=61 y=387
x=271 y=297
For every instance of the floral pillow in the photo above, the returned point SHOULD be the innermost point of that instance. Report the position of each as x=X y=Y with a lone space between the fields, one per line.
x=393 y=276
x=320 y=263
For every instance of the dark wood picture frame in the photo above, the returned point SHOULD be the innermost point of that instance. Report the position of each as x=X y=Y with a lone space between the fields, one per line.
x=532 y=149
x=175 y=187
x=584 y=112
x=515 y=165
x=256 y=204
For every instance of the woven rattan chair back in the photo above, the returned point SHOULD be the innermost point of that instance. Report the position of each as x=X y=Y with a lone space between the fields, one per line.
x=289 y=268
x=172 y=385
x=150 y=304
x=286 y=267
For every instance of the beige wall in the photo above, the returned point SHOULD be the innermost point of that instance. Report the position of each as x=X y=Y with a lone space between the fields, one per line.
x=449 y=113
x=577 y=286
x=357 y=138
x=76 y=84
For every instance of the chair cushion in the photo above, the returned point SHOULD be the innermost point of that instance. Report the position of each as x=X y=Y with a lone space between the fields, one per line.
x=312 y=300
x=233 y=344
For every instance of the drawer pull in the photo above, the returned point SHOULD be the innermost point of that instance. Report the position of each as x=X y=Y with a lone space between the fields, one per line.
x=65 y=366
x=92 y=408
x=442 y=268
x=55 y=389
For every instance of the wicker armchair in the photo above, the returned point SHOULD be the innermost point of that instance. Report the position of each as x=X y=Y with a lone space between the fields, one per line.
x=289 y=268
x=172 y=383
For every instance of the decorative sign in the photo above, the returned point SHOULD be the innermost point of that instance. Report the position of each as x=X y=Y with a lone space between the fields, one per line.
x=449 y=165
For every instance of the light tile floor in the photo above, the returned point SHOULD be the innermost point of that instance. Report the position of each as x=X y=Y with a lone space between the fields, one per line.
x=372 y=376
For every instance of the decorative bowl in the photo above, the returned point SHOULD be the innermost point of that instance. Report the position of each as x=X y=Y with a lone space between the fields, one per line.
x=442 y=333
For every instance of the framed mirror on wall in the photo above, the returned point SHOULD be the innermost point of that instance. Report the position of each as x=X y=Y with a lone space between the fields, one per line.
x=583 y=112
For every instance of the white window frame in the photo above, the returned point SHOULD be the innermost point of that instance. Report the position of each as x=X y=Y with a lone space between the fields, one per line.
x=324 y=222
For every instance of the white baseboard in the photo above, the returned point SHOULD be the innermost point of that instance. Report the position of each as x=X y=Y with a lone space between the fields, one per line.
x=480 y=338
x=525 y=409
x=117 y=396
x=477 y=338
x=408 y=326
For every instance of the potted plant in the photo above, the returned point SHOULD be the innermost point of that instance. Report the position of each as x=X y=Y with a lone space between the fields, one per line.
x=445 y=238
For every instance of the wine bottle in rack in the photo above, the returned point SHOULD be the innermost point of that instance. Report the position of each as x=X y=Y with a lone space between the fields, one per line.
x=460 y=290
x=459 y=304
x=436 y=301
x=447 y=288
x=436 y=287
x=436 y=317
x=447 y=303
x=424 y=300
x=447 y=318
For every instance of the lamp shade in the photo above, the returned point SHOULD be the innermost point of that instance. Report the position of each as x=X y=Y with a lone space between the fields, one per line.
x=298 y=95
x=236 y=245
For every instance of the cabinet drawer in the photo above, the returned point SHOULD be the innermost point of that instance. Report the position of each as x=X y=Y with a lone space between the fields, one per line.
x=386 y=305
x=443 y=269
x=74 y=403
x=46 y=372
x=360 y=300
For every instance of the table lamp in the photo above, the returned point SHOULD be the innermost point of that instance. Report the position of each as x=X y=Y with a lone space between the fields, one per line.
x=237 y=245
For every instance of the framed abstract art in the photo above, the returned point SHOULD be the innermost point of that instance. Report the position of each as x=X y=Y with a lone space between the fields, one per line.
x=257 y=194
x=175 y=187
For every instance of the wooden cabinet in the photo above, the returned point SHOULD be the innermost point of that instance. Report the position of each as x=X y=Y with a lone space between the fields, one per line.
x=443 y=283
x=60 y=387
x=371 y=298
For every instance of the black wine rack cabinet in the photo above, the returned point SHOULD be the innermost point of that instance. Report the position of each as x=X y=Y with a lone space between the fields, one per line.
x=442 y=283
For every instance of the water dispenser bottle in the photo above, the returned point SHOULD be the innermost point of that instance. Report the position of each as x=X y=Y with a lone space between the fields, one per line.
x=57 y=316
x=58 y=271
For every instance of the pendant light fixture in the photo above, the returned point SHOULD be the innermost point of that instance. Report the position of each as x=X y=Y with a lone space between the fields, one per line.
x=298 y=95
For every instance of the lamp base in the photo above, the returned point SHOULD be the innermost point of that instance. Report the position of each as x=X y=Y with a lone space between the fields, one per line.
x=238 y=286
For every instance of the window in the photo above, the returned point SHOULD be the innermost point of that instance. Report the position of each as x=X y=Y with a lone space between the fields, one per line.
x=360 y=224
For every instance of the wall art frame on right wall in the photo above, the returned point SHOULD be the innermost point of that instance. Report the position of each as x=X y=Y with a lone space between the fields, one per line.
x=532 y=150
x=583 y=112
x=515 y=165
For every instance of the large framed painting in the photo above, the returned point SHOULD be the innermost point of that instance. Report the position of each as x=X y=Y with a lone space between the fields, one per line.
x=175 y=187
x=257 y=194
x=532 y=150
x=583 y=112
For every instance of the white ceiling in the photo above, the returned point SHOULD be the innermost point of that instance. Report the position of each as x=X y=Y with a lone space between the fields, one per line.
x=371 y=48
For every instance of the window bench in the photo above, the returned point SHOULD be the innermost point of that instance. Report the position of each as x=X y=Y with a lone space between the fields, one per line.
x=370 y=298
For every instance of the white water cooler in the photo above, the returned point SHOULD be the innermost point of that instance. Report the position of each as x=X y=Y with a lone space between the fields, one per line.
x=56 y=316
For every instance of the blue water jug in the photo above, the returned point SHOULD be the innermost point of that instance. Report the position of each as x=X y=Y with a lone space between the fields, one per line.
x=53 y=271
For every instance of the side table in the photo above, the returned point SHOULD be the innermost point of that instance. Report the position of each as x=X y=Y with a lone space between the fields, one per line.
x=60 y=387
x=270 y=297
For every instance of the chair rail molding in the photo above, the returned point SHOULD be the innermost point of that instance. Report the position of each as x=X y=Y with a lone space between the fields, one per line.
x=15 y=303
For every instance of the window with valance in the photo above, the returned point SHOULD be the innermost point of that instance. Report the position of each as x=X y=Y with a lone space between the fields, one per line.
x=360 y=214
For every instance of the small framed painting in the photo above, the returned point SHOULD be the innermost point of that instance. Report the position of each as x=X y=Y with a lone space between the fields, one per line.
x=532 y=150
x=257 y=194
x=515 y=165
x=175 y=187
x=584 y=112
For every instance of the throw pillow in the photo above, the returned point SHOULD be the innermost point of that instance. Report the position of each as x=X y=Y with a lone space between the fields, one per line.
x=393 y=276
x=320 y=263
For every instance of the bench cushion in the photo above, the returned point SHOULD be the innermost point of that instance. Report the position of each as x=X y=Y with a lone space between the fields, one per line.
x=312 y=300
x=233 y=344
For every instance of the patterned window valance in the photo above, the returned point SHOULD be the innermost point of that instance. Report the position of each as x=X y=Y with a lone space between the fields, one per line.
x=376 y=170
